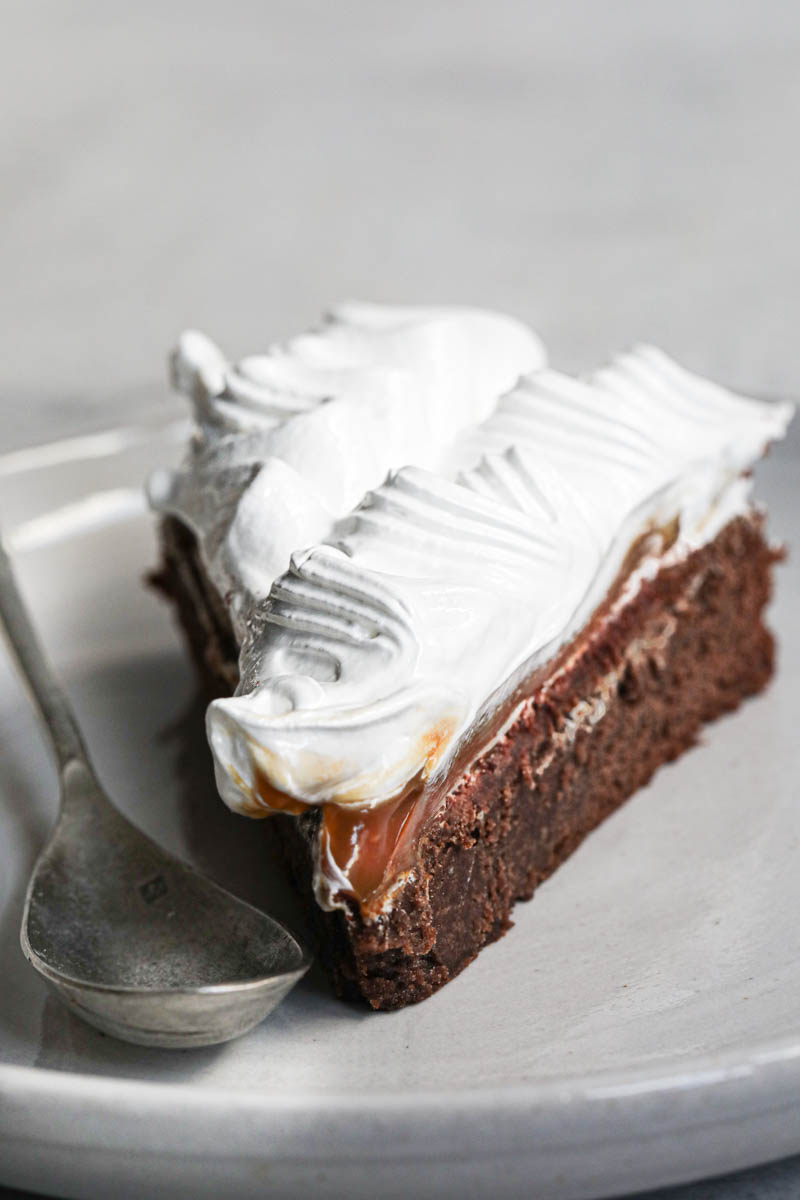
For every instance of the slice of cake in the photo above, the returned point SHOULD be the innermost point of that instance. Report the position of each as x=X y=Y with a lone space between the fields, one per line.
x=466 y=605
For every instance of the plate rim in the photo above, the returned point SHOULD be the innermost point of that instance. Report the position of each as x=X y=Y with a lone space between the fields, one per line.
x=684 y=1072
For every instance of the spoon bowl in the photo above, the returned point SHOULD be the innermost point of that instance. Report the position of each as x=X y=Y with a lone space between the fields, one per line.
x=141 y=945
x=133 y=940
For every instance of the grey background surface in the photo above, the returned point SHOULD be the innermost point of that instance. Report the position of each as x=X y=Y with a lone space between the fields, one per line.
x=610 y=172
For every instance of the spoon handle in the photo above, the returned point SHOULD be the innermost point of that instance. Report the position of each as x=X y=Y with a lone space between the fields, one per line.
x=36 y=670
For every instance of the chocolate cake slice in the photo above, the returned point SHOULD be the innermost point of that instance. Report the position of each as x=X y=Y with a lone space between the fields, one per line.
x=521 y=597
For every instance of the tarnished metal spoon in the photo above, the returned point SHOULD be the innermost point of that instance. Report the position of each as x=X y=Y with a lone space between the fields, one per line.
x=133 y=940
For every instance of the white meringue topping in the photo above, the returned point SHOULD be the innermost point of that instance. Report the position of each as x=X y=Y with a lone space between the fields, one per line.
x=290 y=440
x=382 y=647
x=462 y=535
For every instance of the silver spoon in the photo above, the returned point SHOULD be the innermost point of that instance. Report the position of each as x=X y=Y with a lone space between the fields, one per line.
x=133 y=940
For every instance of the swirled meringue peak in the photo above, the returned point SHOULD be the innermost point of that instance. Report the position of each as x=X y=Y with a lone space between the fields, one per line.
x=290 y=440
x=382 y=648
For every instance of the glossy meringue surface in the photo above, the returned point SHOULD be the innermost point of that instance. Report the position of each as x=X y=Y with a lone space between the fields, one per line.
x=290 y=440
x=405 y=528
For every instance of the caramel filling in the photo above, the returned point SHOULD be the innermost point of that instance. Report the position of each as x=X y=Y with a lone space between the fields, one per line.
x=275 y=800
x=361 y=842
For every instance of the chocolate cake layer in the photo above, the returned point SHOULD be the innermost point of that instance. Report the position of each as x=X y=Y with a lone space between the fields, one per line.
x=689 y=646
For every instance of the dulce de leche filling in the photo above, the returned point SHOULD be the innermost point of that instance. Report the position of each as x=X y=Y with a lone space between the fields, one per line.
x=359 y=844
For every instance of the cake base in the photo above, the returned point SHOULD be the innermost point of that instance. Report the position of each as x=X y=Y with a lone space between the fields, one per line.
x=689 y=646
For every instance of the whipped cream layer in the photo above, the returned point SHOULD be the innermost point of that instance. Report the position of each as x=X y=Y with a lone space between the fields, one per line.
x=290 y=440
x=382 y=647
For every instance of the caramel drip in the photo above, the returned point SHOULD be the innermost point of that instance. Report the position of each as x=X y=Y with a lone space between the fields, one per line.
x=361 y=841
x=275 y=800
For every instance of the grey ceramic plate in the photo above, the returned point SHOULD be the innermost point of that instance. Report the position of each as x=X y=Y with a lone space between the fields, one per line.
x=640 y=1025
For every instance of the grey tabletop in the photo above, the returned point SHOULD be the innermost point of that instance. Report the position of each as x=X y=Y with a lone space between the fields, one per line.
x=609 y=172
x=779 y=1181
